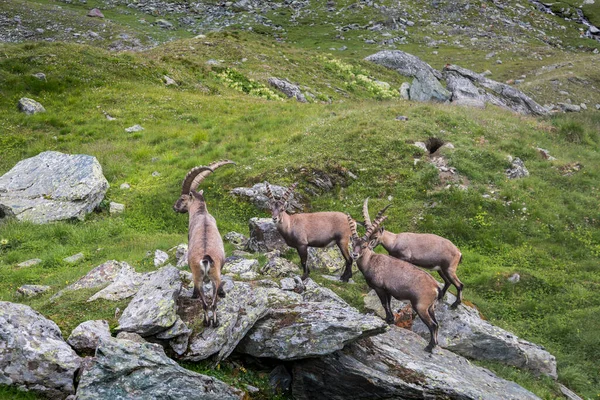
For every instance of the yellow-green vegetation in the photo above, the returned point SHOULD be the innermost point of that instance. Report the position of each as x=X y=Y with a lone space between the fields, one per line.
x=544 y=227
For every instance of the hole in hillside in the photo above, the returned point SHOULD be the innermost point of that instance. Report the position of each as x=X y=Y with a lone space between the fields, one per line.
x=433 y=144
x=2 y=214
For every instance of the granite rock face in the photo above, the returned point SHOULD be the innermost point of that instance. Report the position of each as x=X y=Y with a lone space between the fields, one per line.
x=52 y=186
x=287 y=88
x=33 y=353
x=426 y=87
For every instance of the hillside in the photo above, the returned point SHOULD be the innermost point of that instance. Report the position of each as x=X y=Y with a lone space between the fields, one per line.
x=544 y=227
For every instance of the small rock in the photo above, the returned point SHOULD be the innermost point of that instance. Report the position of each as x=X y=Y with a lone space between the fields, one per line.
x=160 y=257
x=156 y=174
x=252 y=389
x=238 y=240
x=422 y=146
x=29 y=263
x=498 y=61
x=597 y=106
x=163 y=23
x=514 y=278
x=566 y=107
x=401 y=118
x=583 y=106
x=116 y=208
x=32 y=290
x=545 y=154
x=336 y=279
x=40 y=75
x=518 y=170
x=242 y=267
x=74 y=258
x=169 y=81
x=487 y=72
x=30 y=106
x=134 y=337
x=569 y=394
x=134 y=128
x=564 y=93
x=287 y=88
x=288 y=284
x=85 y=336
x=96 y=13
x=125 y=186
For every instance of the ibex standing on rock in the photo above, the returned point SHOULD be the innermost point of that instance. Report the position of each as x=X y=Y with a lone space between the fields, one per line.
x=424 y=250
x=206 y=254
x=391 y=277
x=311 y=229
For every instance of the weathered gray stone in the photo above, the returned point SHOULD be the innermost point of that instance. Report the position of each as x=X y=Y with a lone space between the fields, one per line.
x=238 y=240
x=124 y=369
x=134 y=128
x=568 y=393
x=29 y=263
x=426 y=87
x=30 y=106
x=96 y=13
x=74 y=258
x=278 y=267
x=134 y=337
x=169 y=81
x=163 y=23
x=464 y=92
x=373 y=304
x=32 y=290
x=463 y=332
x=126 y=283
x=160 y=257
x=257 y=194
x=99 y=276
x=245 y=268
x=395 y=366
x=405 y=90
x=404 y=63
x=116 y=208
x=566 y=107
x=517 y=170
x=52 y=186
x=264 y=236
x=178 y=336
x=154 y=308
x=287 y=88
x=242 y=307
x=39 y=75
x=85 y=336
x=325 y=259
x=33 y=353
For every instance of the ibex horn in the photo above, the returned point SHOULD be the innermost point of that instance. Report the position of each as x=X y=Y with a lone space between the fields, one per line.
x=198 y=174
x=352 y=224
x=380 y=213
x=268 y=190
x=374 y=227
x=288 y=192
x=366 y=213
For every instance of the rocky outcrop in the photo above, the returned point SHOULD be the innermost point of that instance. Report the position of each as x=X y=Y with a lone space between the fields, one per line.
x=404 y=63
x=244 y=268
x=279 y=267
x=85 y=336
x=124 y=369
x=125 y=284
x=52 y=186
x=328 y=259
x=257 y=195
x=264 y=236
x=101 y=275
x=33 y=353
x=464 y=92
x=287 y=88
x=426 y=87
x=394 y=365
x=154 y=307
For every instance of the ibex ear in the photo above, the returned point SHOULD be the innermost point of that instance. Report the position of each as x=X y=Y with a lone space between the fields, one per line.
x=373 y=243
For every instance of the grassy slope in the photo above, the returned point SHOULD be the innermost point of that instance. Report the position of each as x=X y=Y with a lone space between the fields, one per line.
x=554 y=243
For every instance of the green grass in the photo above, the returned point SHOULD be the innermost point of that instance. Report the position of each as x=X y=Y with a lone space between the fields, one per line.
x=545 y=227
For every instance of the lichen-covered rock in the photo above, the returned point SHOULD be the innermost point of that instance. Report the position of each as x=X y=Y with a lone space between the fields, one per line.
x=29 y=263
x=160 y=257
x=325 y=259
x=85 y=336
x=245 y=268
x=32 y=290
x=287 y=88
x=242 y=307
x=30 y=106
x=279 y=267
x=238 y=240
x=33 y=353
x=125 y=284
x=264 y=236
x=404 y=63
x=373 y=304
x=257 y=195
x=464 y=92
x=517 y=170
x=52 y=186
x=463 y=332
x=154 y=308
x=426 y=87
x=394 y=366
x=124 y=369
x=101 y=275
x=178 y=336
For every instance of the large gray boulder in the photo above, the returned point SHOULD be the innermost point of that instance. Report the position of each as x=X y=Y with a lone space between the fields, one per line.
x=33 y=353
x=497 y=93
x=404 y=63
x=52 y=186
x=395 y=366
x=464 y=92
x=328 y=259
x=99 y=276
x=257 y=195
x=85 y=336
x=264 y=236
x=241 y=308
x=125 y=284
x=287 y=88
x=426 y=87
x=463 y=332
x=124 y=369
x=154 y=308
x=30 y=106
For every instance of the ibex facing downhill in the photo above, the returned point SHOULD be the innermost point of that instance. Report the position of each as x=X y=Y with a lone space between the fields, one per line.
x=206 y=254
x=311 y=229
x=424 y=250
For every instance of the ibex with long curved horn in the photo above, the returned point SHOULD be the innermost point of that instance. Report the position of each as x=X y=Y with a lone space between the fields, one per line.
x=206 y=254
x=310 y=229
x=424 y=250
x=391 y=277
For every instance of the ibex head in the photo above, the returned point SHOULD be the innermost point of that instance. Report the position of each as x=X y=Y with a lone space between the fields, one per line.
x=369 y=240
x=278 y=207
x=378 y=232
x=191 y=182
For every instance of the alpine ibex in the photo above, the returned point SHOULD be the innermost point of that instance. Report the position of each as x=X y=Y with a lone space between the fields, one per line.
x=391 y=277
x=206 y=254
x=424 y=250
x=317 y=229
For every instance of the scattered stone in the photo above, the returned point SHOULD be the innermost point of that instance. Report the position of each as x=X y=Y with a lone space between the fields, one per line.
x=278 y=267
x=404 y=63
x=123 y=285
x=33 y=354
x=487 y=72
x=125 y=186
x=245 y=268
x=401 y=118
x=566 y=107
x=160 y=257
x=288 y=284
x=40 y=75
x=238 y=240
x=99 y=276
x=597 y=106
x=426 y=87
x=30 y=106
x=545 y=154
x=96 y=13
x=86 y=336
x=134 y=128
x=583 y=106
x=126 y=369
x=154 y=307
x=169 y=81
x=156 y=174
x=74 y=258
x=29 y=263
x=178 y=336
x=163 y=23
x=569 y=394
x=337 y=279
x=394 y=365
x=257 y=194
x=264 y=236
x=32 y=290
x=325 y=259
x=514 y=278
x=422 y=146
x=52 y=186
x=116 y=208
x=287 y=88
x=405 y=91
x=517 y=170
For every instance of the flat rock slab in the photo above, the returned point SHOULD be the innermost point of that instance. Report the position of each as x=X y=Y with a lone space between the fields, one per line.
x=125 y=284
x=287 y=88
x=52 y=186
x=257 y=195
x=124 y=369
x=99 y=276
x=242 y=307
x=308 y=329
x=404 y=63
x=33 y=353
x=154 y=308
x=395 y=366
x=86 y=336
x=32 y=290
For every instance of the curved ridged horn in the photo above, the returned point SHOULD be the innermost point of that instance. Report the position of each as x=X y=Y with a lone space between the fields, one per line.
x=288 y=192
x=374 y=227
x=365 y=210
x=268 y=191
x=352 y=224
x=198 y=174
x=380 y=213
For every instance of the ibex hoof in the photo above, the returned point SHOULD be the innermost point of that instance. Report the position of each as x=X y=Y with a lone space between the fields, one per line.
x=390 y=321
x=221 y=293
x=454 y=305
x=216 y=323
x=429 y=348
x=206 y=323
x=305 y=276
